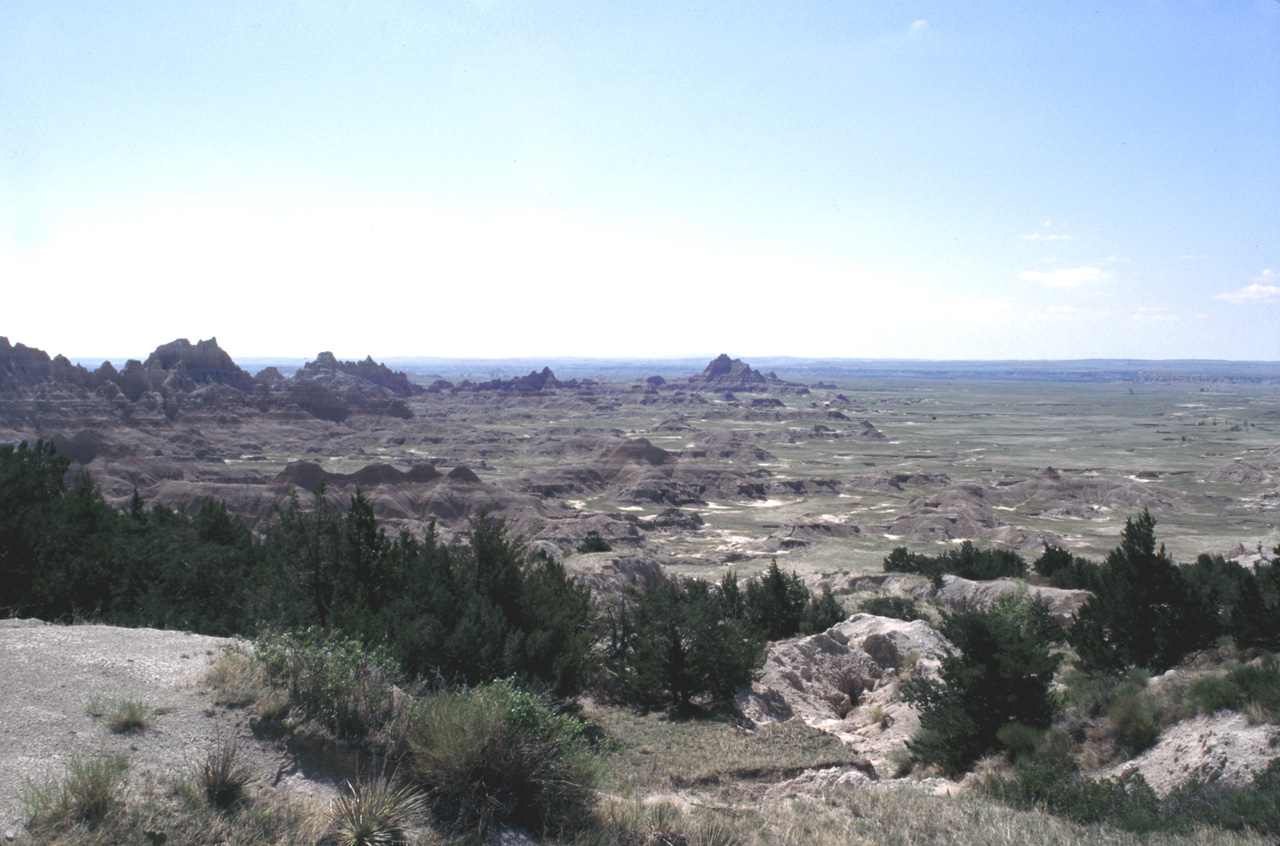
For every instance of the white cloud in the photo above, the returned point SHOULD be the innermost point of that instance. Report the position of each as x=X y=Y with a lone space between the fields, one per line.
x=917 y=26
x=1254 y=293
x=1067 y=277
x=1154 y=313
x=1262 y=290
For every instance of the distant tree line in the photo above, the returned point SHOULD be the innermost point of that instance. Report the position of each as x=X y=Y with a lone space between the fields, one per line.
x=968 y=562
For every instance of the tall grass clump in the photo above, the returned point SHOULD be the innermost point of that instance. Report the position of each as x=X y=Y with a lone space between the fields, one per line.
x=236 y=678
x=497 y=755
x=90 y=791
x=221 y=777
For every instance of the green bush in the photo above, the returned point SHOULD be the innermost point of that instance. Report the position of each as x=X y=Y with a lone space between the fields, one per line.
x=1129 y=803
x=1256 y=806
x=1126 y=803
x=1001 y=675
x=774 y=603
x=897 y=607
x=497 y=755
x=1259 y=683
x=1064 y=570
x=594 y=543
x=1021 y=742
x=968 y=562
x=1256 y=684
x=821 y=612
x=1214 y=693
x=1135 y=718
x=331 y=680
x=488 y=610
x=680 y=642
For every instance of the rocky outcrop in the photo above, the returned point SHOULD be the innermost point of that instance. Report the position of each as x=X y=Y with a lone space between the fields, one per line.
x=535 y=382
x=343 y=376
x=308 y=475
x=331 y=389
x=1223 y=749
x=1241 y=472
x=726 y=374
x=832 y=680
x=23 y=366
x=199 y=363
x=1063 y=488
x=724 y=445
x=957 y=595
x=891 y=480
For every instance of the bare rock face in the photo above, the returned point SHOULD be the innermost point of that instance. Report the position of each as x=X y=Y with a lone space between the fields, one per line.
x=202 y=362
x=814 y=783
x=1220 y=748
x=340 y=376
x=726 y=374
x=958 y=595
x=331 y=390
x=535 y=382
x=834 y=680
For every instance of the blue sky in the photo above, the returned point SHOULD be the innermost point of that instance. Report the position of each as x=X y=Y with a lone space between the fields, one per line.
x=853 y=179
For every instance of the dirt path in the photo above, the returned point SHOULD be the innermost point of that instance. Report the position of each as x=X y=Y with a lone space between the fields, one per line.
x=49 y=675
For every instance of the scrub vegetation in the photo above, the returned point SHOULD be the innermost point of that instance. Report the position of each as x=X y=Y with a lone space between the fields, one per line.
x=497 y=693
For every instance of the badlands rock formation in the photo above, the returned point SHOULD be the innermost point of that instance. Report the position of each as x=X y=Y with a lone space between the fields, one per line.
x=846 y=681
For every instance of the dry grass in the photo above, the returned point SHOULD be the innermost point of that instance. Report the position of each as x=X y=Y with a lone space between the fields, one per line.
x=656 y=752
x=128 y=716
x=236 y=679
x=92 y=806
x=897 y=816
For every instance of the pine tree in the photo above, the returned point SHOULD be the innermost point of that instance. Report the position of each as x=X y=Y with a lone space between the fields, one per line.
x=1142 y=612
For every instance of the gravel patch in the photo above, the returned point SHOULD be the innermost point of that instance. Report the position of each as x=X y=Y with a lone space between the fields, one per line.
x=49 y=674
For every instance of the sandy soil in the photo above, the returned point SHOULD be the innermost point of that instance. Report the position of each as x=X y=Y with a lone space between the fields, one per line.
x=49 y=674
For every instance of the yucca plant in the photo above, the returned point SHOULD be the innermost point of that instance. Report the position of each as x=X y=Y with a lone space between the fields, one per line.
x=221 y=778
x=374 y=813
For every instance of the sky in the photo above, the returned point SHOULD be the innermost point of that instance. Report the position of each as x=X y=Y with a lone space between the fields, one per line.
x=818 y=178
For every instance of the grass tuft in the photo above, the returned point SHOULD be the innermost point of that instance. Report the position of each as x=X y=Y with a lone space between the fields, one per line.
x=129 y=715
